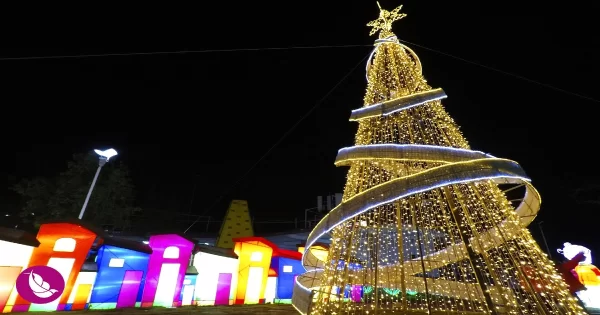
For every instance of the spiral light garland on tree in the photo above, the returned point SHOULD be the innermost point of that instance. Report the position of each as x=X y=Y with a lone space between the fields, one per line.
x=424 y=226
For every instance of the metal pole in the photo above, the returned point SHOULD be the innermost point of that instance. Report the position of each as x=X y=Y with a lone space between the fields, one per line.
x=544 y=238
x=101 y=163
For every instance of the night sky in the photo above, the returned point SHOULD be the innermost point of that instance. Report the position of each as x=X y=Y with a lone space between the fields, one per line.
x=208 y=117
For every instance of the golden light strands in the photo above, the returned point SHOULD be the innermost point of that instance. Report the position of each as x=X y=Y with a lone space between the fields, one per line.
x=450 y=242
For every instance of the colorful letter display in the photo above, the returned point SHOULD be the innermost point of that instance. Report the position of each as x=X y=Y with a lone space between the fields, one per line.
x=122 y=268
x=271 y=289
x=254 y=255
x=82 y=290
x=64 y=247
x=118 y=273
x=189 y=286
x=170 y=257
x=16 y=247
x=260 y=260
x=218 y=271
x=287 y=265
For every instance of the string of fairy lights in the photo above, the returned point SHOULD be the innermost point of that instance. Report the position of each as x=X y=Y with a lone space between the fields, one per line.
x=457 y=248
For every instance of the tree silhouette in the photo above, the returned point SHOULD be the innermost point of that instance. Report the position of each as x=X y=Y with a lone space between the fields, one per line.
x=62 y=196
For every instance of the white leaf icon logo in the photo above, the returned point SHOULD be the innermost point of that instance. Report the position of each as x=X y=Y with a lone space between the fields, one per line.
x=40 y=287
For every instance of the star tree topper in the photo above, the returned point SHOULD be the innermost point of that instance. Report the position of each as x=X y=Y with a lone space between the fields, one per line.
x=385 y=20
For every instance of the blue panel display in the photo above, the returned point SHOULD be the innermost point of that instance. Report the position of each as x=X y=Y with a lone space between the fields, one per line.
x=287 y=270
x=113 y=262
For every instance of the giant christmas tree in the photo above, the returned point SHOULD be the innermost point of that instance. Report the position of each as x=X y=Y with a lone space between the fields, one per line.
x=425 y=225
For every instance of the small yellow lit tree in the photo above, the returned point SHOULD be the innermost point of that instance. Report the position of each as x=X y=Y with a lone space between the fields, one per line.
x=425 y=225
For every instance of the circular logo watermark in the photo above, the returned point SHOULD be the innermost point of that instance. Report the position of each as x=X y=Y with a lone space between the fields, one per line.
x=40 y=284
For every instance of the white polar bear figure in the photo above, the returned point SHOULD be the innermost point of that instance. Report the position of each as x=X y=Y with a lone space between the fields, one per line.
x=569 y=251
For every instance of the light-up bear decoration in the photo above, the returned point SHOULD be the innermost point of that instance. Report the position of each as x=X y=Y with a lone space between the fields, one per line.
x=588 y=274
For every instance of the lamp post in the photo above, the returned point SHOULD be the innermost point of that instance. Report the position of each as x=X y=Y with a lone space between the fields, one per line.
x=104 y=156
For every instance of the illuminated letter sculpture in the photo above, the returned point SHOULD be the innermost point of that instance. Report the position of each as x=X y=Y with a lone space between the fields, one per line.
x=266 y=273
x=82 y=288
x=189 y=286
x=122 y=267
x=287 y=265
x=169 y=260
x=254 y=255
x=16 y=247
x=218 y=269
x=64 y=246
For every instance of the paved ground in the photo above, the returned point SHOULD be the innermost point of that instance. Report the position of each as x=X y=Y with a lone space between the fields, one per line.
x=266 y=309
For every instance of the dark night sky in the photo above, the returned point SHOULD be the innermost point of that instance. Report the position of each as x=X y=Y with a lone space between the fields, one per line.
x=215 y=114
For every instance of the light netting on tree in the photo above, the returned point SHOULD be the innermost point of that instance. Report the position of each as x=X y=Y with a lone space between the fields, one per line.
x=424 y=225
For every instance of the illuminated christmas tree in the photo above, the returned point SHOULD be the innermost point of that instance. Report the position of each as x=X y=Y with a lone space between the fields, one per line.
x=425 y=225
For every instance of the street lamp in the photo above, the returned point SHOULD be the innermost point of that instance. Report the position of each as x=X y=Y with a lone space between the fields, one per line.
x=104 y=156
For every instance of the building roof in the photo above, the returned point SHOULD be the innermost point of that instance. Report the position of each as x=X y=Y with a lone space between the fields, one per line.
x=18 y=237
